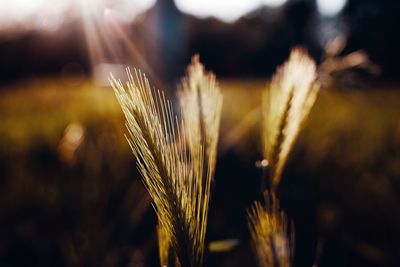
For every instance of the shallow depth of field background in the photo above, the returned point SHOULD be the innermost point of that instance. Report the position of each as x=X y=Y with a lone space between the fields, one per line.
x=70 y=194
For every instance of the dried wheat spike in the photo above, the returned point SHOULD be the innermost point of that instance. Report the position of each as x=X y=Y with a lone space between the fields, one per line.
x=201 y=102
x=269 y=232
x=180 y=195
x=286 y=104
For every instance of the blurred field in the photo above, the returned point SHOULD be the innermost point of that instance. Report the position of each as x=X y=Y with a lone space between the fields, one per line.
x=70 y=194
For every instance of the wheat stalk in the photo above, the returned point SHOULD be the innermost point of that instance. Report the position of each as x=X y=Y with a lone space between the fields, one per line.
x=172 y=178
x=269 y=231
x=163 y=245
x=286 y=104
x=167 y=254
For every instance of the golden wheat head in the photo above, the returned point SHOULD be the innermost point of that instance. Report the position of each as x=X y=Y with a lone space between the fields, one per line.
x=200 y=99
x=156 y=139
x=286 y=104
x=269 y=232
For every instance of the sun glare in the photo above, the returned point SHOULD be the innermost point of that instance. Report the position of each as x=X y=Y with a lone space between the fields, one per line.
x=273 y=3
x=330 y=7
x=49 y=15
x=225 y=10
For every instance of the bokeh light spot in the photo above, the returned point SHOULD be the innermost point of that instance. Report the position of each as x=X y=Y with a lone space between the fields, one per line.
x=330 y=7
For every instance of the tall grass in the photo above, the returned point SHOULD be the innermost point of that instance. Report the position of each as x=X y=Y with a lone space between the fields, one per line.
x=175 y=157
x=285 y=104
x=268 y=228
x=200 y=99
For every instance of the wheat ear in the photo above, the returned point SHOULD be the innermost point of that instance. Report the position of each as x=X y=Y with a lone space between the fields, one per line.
x=180 y=197
x=286 y=104
x=201 y=100
x=269 y=231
